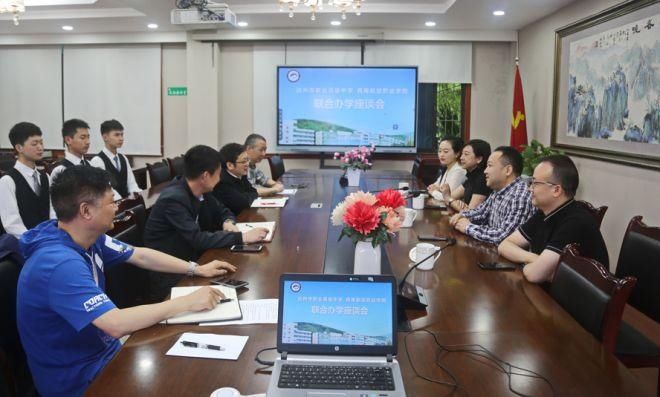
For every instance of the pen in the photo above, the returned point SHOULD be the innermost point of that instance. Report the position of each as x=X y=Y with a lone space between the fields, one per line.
x=250 y=226
x=201 y=345
x=225 y=300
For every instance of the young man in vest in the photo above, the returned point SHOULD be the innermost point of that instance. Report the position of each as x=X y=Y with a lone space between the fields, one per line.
x=24 y=191
x=75 y=133
x=121 y=175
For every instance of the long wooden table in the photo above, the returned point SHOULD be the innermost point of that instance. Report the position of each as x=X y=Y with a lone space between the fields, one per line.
x=515 y=320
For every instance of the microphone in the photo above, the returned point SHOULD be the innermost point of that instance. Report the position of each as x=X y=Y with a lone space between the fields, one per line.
x=405 y=188
x=404 y=302
x=416 y=193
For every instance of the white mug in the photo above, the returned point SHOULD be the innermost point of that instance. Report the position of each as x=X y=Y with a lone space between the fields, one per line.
x=418 y=202
x=411 y=214
x=422 y=250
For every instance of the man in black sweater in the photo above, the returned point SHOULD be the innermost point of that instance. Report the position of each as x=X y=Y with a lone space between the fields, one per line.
x=235 y=190
x=173 y=226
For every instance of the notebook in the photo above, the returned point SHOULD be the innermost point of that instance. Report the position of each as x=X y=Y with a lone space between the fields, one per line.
x=265 y=202
x=246 y=227
x=221 y=312
x=336 y=335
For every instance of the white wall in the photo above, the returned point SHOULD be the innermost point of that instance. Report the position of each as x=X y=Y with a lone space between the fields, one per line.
x=627 y=190
x=492 y=92
x=174 y=113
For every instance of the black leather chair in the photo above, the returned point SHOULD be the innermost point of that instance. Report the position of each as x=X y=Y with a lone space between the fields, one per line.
x=176 y=167
x=426 y=169
x=591 y=294
x=276 y=167
x=141 y=177
x=640 y=258
x=138 y=209
x=597 y=213
x=15 y=377
x=158 y=173
x=125 y=284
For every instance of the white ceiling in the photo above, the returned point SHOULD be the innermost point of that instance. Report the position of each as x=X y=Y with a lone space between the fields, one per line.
x=106 y=16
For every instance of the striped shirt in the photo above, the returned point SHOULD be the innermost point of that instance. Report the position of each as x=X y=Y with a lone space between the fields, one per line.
x=501 y=214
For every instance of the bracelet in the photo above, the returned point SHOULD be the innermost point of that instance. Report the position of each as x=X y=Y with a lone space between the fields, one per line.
x=191 y=268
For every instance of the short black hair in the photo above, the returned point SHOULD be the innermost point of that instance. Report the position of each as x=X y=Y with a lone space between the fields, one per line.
x=111 y=125
x=512 y=157
x=70 y=127
x=230 y=152
x=21 y=132
x=199 y=159
x=252 y=139
x=456 y=143
x=76 y=185
x=564 y=172
x=481 y=149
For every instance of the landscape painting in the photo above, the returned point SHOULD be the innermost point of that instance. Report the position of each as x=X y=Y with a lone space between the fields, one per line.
x=609 y=84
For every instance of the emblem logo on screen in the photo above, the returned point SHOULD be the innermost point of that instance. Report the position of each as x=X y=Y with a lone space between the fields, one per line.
x=336 y=348
x=293 y=76
x=295 y=286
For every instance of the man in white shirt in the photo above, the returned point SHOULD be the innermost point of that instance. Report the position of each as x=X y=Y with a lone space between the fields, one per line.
x=24 y=191
x=121 y=175
x=75 y=133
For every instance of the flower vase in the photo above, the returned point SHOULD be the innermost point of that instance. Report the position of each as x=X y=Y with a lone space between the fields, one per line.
x=353 y=176
x=367 y=258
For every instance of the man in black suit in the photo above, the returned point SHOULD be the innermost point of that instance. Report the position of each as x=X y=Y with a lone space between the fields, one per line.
x=235 y=190
x=173 y=226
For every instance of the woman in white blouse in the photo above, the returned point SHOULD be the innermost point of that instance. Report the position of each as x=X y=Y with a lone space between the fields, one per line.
x=449 y=152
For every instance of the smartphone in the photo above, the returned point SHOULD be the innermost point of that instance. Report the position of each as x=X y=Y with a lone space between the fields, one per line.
x=231 y=283
x=497 y=266
x=246 y=248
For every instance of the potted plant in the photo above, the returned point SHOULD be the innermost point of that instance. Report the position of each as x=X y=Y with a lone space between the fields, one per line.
x=532 y=155
x=353 y=162
x=369 y=221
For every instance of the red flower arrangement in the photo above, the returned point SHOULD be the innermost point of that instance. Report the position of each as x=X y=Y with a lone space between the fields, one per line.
x=365 y=216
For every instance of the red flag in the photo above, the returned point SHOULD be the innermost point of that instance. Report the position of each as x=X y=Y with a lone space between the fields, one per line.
x=518 y=122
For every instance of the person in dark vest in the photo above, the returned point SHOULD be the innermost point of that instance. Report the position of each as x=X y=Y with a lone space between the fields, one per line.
x=121 y=174
x=24 y=191
x=75 y=133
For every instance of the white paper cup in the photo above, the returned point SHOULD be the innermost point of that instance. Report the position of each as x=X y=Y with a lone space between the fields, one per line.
x=418 y=202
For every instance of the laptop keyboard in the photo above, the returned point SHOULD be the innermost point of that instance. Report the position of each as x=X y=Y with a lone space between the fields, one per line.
x=335 y=377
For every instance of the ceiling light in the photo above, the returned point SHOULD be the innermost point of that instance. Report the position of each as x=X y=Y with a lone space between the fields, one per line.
x=430 y=24
x=153 y=26
x=498 y=13
x=317 y=5
x=67 y=27
x=31 y=3
x=12 y=6
x=242 y=24
x=335 y=23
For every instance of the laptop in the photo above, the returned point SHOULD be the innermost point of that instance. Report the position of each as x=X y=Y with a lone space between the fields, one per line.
x=336 y=336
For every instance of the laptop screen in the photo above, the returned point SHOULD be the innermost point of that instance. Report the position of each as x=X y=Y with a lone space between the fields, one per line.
x=338 y=314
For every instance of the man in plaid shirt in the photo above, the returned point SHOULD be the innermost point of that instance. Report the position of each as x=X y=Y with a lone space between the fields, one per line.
x=508 y=207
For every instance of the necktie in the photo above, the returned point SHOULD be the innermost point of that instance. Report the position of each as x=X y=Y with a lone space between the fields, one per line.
x=117 y=166
x=83 y=162
x=35 y=183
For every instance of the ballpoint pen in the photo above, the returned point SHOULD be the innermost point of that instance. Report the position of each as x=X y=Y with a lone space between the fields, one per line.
x=201 y=345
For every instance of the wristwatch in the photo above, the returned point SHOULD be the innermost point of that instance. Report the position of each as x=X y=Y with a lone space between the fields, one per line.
x=191 y=268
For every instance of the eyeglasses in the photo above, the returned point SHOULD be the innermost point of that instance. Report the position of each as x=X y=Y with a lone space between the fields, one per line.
x=533 y=182
x=242 y=161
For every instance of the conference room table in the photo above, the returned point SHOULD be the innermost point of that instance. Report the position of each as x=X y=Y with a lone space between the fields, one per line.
x=516 y=321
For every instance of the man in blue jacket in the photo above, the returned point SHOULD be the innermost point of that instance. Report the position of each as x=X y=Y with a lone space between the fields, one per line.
x=68 y=326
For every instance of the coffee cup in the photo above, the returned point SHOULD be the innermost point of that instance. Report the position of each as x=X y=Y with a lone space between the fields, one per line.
x=423 y=250
x=410 y=215
x=418 y=202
